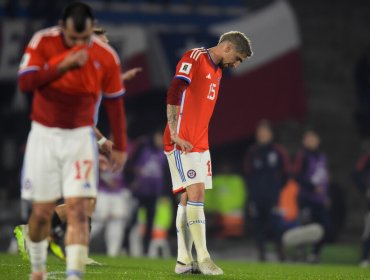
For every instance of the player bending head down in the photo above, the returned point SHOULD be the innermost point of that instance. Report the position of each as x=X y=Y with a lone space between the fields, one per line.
x=191 y=98
x=77 y=24
x=236 y=48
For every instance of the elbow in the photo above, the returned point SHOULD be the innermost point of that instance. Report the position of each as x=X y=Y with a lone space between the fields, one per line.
x=25 y=85
x=25 y=89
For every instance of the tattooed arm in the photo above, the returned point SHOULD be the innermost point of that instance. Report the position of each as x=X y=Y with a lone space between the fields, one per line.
x=172 y=118
x=174 y=94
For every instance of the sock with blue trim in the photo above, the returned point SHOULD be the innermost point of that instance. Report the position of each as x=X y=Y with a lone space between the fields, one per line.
x=197 y=226
x=184 y=238
x=76 y=257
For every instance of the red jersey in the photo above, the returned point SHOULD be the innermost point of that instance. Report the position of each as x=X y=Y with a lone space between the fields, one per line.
x=198 y=100
x=69 y=101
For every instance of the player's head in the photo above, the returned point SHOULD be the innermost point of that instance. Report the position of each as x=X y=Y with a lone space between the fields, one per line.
x=77 y=23
x=236 y=47
x=101 y=33
x=264 y=132
x=311 y=139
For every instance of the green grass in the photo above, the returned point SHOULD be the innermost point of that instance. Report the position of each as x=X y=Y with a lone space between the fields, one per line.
x=338 y=263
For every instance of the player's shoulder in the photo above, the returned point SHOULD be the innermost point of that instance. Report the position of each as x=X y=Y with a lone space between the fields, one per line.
x=46 y=33
x=105 y=50
x=196 y=54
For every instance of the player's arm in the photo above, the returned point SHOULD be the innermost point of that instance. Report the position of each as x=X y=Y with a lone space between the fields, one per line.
x=117 y=120
x=130 y=74
x=185 y=70
x=174 y=94
x=105 y=145
x=35 y=71
x=113 y=91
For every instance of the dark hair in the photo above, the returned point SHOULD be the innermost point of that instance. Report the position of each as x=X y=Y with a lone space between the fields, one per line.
x=265 y=123
x=100 y=31
x=79 y=12
x=310 y=129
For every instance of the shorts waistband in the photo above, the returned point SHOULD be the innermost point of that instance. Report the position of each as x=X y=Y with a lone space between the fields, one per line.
x=56 y=130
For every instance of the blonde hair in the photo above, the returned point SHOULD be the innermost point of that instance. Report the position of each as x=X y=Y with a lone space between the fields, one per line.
x=241 y=42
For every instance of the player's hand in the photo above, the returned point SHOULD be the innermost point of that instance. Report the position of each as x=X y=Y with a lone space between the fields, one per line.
x=130 y=74
x=118 y=160
x=104 y=163
x=184 y=145
x=106 y=148
x=73 y=60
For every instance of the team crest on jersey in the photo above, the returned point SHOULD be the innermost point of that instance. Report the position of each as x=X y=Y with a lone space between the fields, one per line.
x=185 y=68
x=87 y=185
x=191 y=173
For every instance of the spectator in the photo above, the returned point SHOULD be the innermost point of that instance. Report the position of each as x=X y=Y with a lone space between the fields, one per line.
x=159 y=245
x=112 y=208
x=362 y=83
x=361 y=177
x=266 y=169
x=313 y=178
x=146 y=174
x=227 y=202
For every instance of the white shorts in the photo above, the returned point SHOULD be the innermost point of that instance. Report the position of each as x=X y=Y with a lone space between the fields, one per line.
x=188 y=169
x=59 y=163
x=113 y=205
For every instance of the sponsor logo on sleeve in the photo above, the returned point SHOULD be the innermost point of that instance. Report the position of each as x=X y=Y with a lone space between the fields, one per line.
x=185 y=68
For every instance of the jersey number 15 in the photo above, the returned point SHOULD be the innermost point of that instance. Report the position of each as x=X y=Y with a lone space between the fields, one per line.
x=212 y=91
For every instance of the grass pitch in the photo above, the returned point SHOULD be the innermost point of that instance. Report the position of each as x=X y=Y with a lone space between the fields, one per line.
x=338 y=264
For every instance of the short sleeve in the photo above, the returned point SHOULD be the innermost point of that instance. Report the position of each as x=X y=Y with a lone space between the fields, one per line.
x=112 y=85
x=188 y=64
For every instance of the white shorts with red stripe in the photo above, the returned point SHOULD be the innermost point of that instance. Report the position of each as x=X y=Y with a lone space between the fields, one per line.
x=188 y=169
x=59 y=163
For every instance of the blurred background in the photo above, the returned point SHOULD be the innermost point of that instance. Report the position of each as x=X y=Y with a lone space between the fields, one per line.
x=310 y=69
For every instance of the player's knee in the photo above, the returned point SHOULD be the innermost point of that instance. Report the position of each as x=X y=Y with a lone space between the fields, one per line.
x=80 y=216
x=196 y=198
x=77 y=213
x=41 y=216
x=195 y=193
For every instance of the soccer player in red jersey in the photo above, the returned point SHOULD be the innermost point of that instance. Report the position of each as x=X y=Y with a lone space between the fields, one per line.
x=59 y=217
x=67 y=68
x=191 y=99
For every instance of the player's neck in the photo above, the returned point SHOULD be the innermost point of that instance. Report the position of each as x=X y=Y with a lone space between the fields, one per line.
x=216 y=58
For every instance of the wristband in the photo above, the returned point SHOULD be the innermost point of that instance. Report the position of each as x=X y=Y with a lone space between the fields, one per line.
x=101 y=141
